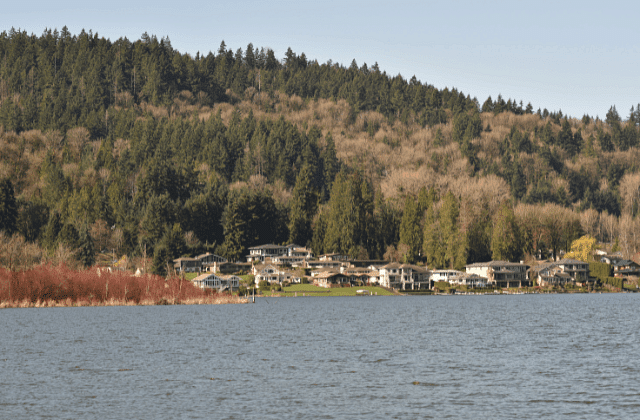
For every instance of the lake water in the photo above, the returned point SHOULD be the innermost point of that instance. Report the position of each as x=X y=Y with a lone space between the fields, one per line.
x=550 y=356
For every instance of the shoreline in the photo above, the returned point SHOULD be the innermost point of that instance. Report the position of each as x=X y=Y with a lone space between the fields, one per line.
x=68 y=303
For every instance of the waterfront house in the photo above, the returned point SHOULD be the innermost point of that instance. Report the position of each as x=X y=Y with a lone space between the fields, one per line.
x=216 y=281
x=500 y=274
x=271 y=274
x=331 y=279
x=444 y=275
x=578 y=270
x=404 y=276
x=552 y=275
x=357 y=275
x=470 y=280
x=559 y=273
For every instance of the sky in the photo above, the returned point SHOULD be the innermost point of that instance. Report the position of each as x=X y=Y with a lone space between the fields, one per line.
x=580 y=57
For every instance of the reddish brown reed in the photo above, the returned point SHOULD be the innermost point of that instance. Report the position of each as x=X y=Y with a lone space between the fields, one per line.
x=48 y=285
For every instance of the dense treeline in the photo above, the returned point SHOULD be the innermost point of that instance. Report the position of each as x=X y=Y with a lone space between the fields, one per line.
x=136 y=148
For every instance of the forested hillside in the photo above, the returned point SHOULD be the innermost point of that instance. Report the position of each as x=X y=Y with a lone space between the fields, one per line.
x=135 y=148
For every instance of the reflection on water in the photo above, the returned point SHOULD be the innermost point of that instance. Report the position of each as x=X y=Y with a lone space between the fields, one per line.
x=380 y=357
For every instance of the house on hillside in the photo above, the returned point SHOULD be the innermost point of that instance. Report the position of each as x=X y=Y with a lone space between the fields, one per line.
x=215 y=281
x=610 y=258
x=187 y=265
x=317 y=264
x=229 y=267
x=262 y=252
x=195 y=265
x=626 y=268
x=501 y=274
x=333 y=257
x=207 y=260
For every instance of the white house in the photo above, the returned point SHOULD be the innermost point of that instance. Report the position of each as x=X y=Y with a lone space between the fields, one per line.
x=444 y=275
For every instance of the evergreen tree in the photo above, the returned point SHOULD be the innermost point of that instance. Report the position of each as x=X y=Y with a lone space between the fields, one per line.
x=433 y=242
x=454 y=239
x=506 y=243
x=410 y=232
x=86 y=250
x=52 y=230
x=8 y=208
x=330 y=163
x=303 y=208
x=69 y=236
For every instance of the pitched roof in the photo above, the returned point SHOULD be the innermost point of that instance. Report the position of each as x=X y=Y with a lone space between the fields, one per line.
x=622 y=263
x=570 y=261
x=204 y=276
x=267 y=246
x=495 y=264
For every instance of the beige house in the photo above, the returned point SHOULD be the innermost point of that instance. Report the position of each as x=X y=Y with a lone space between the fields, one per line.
x=560 y=273
x=216 y=281
x=404 y=276
x=272 y=274
x=500 y=274
x=331 y=279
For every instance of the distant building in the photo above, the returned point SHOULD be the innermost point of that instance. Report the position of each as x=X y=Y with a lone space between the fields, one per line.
x=626 y=268
x=219 y=282
x=444 y=275
x=559 y=273
x=470 y=280
x=187 y=265
x=500 y=274
x=404 y=276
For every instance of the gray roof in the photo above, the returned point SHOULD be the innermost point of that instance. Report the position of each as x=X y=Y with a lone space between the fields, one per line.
x=570 y=261
x=622 y=263
x=495 y=264
x=267 y=246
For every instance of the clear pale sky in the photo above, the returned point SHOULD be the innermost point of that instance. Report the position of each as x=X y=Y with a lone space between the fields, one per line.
x=577 y=56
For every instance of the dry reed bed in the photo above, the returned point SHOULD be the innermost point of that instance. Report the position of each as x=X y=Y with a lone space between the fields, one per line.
x=59 y=286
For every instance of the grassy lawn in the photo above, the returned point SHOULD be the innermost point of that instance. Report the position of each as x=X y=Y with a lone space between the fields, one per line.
x=311 y=290
x=190 y=276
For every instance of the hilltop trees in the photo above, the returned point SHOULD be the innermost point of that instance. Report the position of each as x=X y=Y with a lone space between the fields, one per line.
x=140 y=146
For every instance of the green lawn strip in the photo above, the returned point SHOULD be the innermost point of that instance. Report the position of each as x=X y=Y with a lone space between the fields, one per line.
x=310 y=290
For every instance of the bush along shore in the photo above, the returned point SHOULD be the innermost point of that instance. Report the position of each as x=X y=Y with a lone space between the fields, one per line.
x=59 y=286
